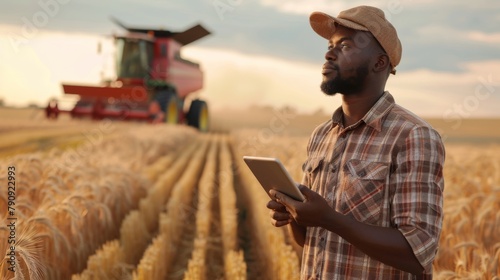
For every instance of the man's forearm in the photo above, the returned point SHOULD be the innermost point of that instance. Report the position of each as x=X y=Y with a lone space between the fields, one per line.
x=387 y=245
x=298 y=232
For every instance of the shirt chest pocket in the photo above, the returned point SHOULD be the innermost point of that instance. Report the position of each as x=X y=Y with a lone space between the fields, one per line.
x=312 y=172
x=363 y=190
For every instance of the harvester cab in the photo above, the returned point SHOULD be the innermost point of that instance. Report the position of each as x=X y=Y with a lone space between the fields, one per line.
x=153 y=81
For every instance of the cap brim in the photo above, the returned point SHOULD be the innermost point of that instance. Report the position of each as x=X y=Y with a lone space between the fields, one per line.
x=324 y=25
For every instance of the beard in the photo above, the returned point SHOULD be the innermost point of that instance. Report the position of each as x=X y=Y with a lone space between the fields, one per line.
x=345 y=86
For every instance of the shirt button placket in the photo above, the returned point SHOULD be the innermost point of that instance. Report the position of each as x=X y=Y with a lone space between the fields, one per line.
x=321 y=246
x=333 y=169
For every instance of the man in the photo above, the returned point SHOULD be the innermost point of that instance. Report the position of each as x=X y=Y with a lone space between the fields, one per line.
x=373 y=179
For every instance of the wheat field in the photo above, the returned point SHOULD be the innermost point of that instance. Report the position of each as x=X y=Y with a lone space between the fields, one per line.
x=166 y=202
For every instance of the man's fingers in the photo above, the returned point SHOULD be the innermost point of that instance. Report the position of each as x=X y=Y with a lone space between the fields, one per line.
x=274 y=194
x=280 y=223
x=289 y=202
x=273 y=205
x=279 y=216
x=280 y=197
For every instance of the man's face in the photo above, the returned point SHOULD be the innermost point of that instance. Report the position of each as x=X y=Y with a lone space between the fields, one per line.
x=347 y=62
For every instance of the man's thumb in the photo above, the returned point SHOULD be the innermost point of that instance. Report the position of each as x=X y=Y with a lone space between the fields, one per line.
x=280 y=197
x=304 y=190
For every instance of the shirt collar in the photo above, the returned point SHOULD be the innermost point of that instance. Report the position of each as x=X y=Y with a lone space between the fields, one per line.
x=373 y=117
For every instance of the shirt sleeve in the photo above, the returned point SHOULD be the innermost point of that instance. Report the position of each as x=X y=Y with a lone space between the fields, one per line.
x=417 y=207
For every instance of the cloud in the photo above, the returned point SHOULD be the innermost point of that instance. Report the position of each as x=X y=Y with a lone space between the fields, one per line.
x=35 y=70
x=470 y=93
x=304 y=7
x=24 y=79
x=445 y=34
x=281 y=28
x=482 y=37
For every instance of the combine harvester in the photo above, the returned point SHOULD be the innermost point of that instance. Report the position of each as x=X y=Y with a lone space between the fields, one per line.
x=152 y=84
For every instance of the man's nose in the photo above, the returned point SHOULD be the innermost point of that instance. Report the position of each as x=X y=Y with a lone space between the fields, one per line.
x=330 y=54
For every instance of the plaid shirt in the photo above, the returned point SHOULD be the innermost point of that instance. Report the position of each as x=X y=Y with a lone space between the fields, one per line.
x=385 y=170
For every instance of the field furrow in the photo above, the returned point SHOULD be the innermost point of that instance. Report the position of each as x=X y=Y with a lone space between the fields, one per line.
x=157 y=261
x=198 y=264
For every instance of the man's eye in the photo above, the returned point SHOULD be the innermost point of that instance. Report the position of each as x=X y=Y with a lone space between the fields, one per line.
x=339 y=47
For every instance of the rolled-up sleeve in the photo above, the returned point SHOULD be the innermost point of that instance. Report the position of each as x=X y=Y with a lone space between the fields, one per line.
x=417 y=205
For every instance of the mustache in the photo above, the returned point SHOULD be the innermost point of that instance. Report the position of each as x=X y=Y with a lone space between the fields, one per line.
x=329 y=65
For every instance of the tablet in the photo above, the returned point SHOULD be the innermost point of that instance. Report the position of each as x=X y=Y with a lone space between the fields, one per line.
x=271 y=174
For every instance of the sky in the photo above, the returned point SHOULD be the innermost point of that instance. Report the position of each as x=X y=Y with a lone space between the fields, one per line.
x=260 y=52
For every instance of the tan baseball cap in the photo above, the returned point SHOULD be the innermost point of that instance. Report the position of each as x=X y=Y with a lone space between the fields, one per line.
x=364 y=18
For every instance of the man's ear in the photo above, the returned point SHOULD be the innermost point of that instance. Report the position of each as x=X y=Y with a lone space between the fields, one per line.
x=382 y=63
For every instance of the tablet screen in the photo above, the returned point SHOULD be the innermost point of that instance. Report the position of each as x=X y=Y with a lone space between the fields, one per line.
x=271 y=174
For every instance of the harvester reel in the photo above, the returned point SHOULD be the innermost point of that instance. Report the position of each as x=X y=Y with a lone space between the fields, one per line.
x=197 y=115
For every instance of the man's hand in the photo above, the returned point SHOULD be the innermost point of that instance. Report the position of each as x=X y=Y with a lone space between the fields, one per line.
x=375 y=241
x=280 y=217
x=310 y=213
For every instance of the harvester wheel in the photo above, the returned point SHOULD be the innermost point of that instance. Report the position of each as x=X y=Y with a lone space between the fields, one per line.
x=165 y=107
x=172 y=109
x=52 y=110
x=197 y=115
